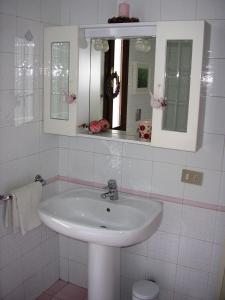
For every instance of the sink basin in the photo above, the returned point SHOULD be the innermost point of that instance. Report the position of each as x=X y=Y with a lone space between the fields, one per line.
x=106 y=225
x=82 y=214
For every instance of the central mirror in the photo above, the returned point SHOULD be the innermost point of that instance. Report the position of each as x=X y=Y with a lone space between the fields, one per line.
x=121 y=79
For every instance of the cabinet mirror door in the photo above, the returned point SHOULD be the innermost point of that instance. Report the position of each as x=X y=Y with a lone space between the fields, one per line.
x=178 y=66
x=177 y=84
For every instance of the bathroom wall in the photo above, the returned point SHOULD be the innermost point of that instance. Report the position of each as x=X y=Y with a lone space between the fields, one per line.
x=28 y=264
x=183 y=255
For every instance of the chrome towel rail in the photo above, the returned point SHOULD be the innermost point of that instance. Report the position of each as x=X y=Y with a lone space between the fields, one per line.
x=8 y=196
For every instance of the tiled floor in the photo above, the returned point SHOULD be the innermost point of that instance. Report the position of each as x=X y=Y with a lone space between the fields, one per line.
x=62 y=290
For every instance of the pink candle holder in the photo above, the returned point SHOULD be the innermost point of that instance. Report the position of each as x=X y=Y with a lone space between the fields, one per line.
x=124 y=9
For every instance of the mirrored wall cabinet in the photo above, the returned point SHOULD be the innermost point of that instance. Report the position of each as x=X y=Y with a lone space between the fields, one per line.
x=142 y=80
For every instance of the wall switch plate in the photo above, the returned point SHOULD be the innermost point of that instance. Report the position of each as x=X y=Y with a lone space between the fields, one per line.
x=192 y=177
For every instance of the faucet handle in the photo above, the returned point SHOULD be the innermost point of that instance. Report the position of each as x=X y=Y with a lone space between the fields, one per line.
x=112 y=184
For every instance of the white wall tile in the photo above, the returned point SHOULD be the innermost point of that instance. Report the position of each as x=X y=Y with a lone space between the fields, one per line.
x=7 y=33
x=205 y=157
x=139 y=249
x=217 y=43
x=166 y=295
x=197 y=282
x=78 y=251
x=30 y=9
x=24 y=25
x=216 y=258
x=80 y=143
x=64 y=268
x=50 y=274
x=7 y=104
x=171 y=221
x=195 y=254
x=208 y=192
x=108 y=147
x=222 y=190
x=219 y=227
x=214 y=118
x=47 y=141
x=198 y=223
x=137 y=151
x=31 y=262
x=63 y=245
x=10 y=250
x=216 y=73
x=49 y=163
x=8 y=7
x=6 y=71
x=51 y=11
x=50 y=251
x=213 y=288
x=178 y=10
x=19 y=141
x=81 y=165
x=179 y=296
x=17 y=294
x=211 y=9
x=169 y=156
x=63 y=162
x=30 y=240
x=83 y=12
x=145 y=10
x=166 y=179
x=107 y=9
x=137 y=174
x=33 y=286
x=163 y=246
x=9 y=278
x=78 y=273
x=107 y=167
x=133 y=266
x=164 y=273
x=10 y=178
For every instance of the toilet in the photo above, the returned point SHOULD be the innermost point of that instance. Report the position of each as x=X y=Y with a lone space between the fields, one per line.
x=145 y=290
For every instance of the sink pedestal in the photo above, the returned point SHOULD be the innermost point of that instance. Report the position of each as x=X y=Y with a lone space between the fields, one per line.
x=103 y=272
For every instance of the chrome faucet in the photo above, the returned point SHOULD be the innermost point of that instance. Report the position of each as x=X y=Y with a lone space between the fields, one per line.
x=112 y=190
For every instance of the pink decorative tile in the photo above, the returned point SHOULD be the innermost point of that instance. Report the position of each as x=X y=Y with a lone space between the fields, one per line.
x=56 y=287
x=71 y=292
x=44 y=296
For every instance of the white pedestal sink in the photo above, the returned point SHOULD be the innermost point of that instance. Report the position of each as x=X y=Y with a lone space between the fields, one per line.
x=106 y=225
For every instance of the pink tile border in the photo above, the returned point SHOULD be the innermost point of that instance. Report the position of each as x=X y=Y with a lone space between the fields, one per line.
x=163 y=198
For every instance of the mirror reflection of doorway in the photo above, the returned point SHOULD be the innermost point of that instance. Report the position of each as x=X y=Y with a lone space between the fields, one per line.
x=115 y=105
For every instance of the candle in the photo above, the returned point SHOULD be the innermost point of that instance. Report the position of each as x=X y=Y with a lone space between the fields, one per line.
x=124 y=9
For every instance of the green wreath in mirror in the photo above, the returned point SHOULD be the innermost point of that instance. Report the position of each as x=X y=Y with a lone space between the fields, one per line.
x=109 y=85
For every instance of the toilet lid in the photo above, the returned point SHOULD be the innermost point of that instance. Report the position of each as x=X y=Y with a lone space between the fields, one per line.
x=145 y=290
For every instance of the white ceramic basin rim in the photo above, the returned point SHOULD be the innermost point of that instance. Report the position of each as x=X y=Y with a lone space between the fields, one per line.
x=82 y=214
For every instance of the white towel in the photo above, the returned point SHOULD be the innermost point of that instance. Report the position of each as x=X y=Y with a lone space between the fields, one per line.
x=22 y=209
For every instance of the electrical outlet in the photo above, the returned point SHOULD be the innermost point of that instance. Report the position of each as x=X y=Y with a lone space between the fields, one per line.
x=192 y=177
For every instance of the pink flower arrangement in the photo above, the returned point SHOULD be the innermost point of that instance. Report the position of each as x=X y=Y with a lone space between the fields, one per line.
x=98 y=126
